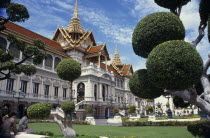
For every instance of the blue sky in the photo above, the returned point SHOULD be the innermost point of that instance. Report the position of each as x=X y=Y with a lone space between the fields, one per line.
x=112 y=22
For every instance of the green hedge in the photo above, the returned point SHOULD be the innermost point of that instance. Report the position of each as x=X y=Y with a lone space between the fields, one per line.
x=200 y=129
x=46 y=133
x=149 y=123
x=39 y=110
x=75 y=122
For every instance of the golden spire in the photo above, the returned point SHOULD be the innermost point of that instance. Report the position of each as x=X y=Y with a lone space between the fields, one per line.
x=116 y=61
x=76 y=10
x=75 y=25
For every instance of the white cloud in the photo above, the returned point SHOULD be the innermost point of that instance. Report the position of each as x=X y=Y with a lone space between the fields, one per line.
x=117 y=33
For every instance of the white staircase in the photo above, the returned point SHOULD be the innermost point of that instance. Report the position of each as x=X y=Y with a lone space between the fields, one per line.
x=78 y=104
x=58 y=111
x=122 y=112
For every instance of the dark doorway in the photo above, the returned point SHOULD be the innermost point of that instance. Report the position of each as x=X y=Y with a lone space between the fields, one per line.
x=21 y=110
x=107 y=113
x=80 y=92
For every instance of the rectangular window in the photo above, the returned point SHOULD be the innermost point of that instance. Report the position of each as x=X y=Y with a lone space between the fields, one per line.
x=64 y=92
x=46 y=90
x=10 y=84
x=24 y=86
x=56 y=91
x=36 y=89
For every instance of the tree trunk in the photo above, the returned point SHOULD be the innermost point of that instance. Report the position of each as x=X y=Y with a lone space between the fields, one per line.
x=71 y=90
x=68 y=130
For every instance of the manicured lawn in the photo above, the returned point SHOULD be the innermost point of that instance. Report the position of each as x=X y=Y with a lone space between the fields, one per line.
x=112 y=131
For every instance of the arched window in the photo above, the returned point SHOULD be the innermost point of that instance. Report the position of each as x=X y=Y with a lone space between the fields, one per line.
x=57 y=61
x=49 y=61
x=14 y=50
x=3 y=43
x=103 y=93
x=95 y=92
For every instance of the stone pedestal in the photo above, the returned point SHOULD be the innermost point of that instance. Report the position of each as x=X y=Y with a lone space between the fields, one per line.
x=81 y=114
x=151 y=118
x=91 y=120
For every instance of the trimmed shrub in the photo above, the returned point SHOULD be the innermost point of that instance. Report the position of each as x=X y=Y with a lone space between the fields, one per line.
x=132 y=109
x=68 y=107
x=179 y=102
x=200 y=129
x=171 y=4
x=89 y=110
x=174 y=65
x=141 y=86
x=39 y=110
x=68 y=69
x=116 y=110
x=155 y=29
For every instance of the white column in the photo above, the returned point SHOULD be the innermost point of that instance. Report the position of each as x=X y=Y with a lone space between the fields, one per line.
x=53 y=63
x=100 y=98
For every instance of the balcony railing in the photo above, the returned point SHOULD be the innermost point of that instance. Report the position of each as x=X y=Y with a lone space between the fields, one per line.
x=4 y=93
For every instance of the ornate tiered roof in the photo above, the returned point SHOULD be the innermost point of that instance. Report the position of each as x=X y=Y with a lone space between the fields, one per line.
x=75 y=25
x=116 y=61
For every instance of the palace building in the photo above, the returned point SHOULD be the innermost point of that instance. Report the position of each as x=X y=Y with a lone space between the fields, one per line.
x=101 y=85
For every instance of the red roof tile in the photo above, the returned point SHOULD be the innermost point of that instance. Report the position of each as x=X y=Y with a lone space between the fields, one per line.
x=110 y=68
x=95 y=49
x=33 y=35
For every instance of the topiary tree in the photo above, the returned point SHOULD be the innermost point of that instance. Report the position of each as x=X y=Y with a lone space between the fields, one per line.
x=155 y=29
x=150 y=109
x=179 y=102
x=69 y=69
x=66 y=127
x=89 y=110
x=170 y=67
x=141 y=86
x=39 y=110
x=35 y=52
x=116 y=111
x=172 y=64
x=174 y=5
x=132 y=109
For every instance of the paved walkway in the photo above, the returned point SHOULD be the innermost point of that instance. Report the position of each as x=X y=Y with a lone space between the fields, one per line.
x=103 y=122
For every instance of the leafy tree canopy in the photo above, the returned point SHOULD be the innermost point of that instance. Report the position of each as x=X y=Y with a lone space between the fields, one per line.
x=39 y=110
x=15 y=13
x=155 y=29
x=179 y=102
x=34 y=53
x=141 y=86
x=204 y=10
x=171 y=4
x=68 y=107
x=69 y=69
x=174 y=65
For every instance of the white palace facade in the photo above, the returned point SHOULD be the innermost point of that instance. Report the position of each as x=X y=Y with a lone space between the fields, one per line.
x=101 y=85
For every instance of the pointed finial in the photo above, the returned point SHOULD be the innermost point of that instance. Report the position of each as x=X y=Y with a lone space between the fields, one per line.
x=116 y=50
x=76 y=10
